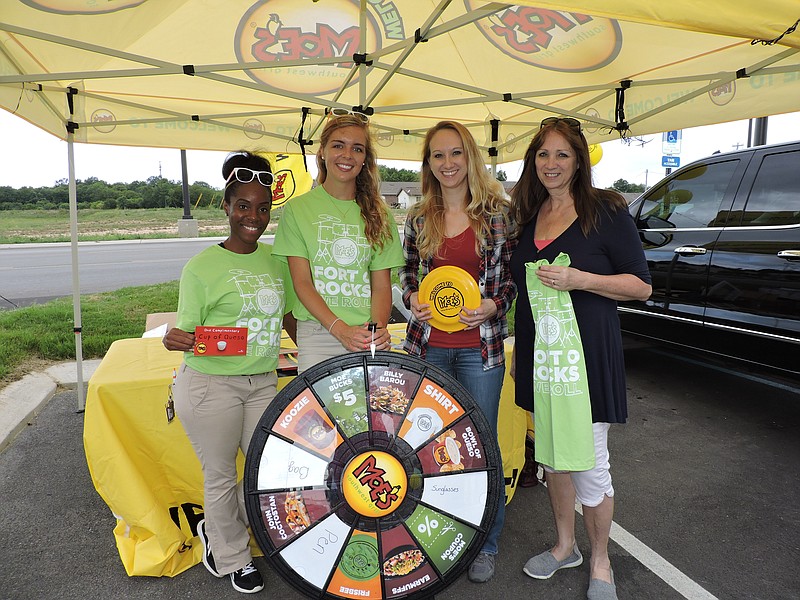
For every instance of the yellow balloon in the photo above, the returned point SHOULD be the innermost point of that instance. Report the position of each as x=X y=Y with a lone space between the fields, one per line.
x=595 y=154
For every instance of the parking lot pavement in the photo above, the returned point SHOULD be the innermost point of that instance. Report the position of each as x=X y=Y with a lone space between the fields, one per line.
x=705 y=473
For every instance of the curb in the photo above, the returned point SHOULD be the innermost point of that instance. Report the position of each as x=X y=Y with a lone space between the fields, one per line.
x=22 y=400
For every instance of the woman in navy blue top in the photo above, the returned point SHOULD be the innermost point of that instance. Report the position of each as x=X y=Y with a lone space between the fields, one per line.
x=560 y=211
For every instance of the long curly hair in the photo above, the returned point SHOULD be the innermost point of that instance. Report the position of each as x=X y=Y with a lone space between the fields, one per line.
x=374 y=211
x=529 y=193
x=486 y=196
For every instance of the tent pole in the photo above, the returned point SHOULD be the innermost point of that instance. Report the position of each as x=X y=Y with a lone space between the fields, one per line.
x=76 y=287
x=362 y=47
x=495 y=123
x=187 y=207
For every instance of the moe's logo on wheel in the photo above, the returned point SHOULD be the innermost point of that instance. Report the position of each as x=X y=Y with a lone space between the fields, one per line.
x=374 y=484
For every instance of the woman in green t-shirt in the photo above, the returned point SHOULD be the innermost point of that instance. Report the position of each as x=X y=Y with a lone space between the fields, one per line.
x=221 y=398
x=341 y=243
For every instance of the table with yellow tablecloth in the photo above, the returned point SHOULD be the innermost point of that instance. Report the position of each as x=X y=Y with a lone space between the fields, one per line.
x=146 y=471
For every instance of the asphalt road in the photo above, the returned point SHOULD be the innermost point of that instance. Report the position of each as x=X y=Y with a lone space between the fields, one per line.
x=706 y=475
x=36 y=273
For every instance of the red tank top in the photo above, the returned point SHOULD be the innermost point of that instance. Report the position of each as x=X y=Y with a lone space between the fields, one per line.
x=458 y=251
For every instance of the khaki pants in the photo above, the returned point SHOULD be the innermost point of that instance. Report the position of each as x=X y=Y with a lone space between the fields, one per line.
x=220 y=414
x=315 y=344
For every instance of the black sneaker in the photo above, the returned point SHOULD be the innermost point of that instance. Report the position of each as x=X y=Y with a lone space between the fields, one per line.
x=247 y=579
x=208 y=558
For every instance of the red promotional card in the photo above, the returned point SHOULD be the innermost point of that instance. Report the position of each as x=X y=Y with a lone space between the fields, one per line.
x=220 y=341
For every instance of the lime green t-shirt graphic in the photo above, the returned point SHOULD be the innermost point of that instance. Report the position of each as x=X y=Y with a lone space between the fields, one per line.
x=329 y=233
x=561 y=408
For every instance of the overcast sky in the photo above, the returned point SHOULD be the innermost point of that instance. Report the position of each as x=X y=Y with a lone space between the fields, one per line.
x=32 y=157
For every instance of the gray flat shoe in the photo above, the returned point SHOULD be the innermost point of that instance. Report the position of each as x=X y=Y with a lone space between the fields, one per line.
x=602 y=590
x=544 y=565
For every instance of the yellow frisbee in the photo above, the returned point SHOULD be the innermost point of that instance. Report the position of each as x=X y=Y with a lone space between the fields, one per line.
x=448 y=289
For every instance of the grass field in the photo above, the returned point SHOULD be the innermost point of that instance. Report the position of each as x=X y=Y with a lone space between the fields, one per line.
x=26 y=226
x=34 y=336
x=29 y=226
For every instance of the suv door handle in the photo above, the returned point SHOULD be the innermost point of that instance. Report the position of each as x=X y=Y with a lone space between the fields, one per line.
x=789 y=254
x=689 y=250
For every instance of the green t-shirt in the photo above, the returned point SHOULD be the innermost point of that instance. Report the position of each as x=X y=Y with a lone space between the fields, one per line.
x=329 y=233
x=219 y=288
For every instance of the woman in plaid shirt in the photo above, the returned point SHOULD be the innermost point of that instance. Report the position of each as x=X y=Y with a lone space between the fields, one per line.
x=463 y=220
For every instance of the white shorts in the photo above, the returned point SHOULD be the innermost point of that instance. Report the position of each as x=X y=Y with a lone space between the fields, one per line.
x=592 y=486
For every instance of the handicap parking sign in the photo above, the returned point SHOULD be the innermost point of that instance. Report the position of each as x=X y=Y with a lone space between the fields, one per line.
x=671 y=142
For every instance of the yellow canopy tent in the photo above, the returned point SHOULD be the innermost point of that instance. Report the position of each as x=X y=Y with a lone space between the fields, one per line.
x=260 y=73
x=221 y=75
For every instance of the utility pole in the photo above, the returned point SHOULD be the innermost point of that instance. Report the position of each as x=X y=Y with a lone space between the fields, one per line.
x=188 y=226
x=757 y=132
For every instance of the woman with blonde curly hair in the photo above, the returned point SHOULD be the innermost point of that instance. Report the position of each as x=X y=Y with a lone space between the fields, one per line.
x=463 y=220
x=341 y=243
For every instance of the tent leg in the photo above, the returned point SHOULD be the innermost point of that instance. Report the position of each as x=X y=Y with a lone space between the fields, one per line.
x=76 y=288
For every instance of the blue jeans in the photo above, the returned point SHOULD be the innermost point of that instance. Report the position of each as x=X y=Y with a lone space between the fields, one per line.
x=466 y=366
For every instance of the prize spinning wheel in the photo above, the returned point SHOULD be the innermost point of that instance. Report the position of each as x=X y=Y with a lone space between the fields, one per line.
x=372 y=477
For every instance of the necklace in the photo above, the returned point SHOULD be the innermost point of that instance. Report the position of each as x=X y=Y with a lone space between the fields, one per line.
x=342 y=207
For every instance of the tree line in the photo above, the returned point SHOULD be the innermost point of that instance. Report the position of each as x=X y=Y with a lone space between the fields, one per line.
x=157 y=192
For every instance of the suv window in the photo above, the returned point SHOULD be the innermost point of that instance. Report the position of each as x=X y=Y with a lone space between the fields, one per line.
x=775 y=197
x=690 y=200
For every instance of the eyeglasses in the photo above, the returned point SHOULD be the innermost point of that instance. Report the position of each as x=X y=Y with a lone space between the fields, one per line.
x=245 y=175
x=574 y=124
x=341 y=112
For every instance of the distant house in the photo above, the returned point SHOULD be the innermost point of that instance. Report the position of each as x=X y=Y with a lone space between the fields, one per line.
x=401 y=194
x=508 y=186
x=405 y=194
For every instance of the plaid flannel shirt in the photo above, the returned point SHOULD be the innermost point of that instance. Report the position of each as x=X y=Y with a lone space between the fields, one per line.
x=494 y=282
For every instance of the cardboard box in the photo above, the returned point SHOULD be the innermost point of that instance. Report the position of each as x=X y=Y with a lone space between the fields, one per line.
x=156 y=320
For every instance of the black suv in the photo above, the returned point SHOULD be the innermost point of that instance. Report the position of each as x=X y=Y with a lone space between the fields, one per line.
x=722 y=241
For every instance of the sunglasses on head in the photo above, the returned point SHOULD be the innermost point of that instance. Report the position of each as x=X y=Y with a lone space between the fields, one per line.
x=245 y=175
x=573 y=123
x=341 y=112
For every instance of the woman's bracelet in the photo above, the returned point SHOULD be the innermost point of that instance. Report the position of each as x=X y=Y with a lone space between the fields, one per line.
x=330 y=329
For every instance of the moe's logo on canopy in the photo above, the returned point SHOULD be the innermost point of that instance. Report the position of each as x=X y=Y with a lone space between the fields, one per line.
x=551 y=39
x=276 y=31
x=374 y=484
x=103 y=120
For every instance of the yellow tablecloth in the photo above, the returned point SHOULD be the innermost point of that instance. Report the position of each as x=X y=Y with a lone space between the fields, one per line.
x=146 y=471
x=143 y=467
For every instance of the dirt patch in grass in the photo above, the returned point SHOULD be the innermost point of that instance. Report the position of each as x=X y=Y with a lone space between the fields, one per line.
x=28 y=366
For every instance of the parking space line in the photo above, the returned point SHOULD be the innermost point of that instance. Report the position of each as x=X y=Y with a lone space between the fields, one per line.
x=666 y=571
x=677 y=580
